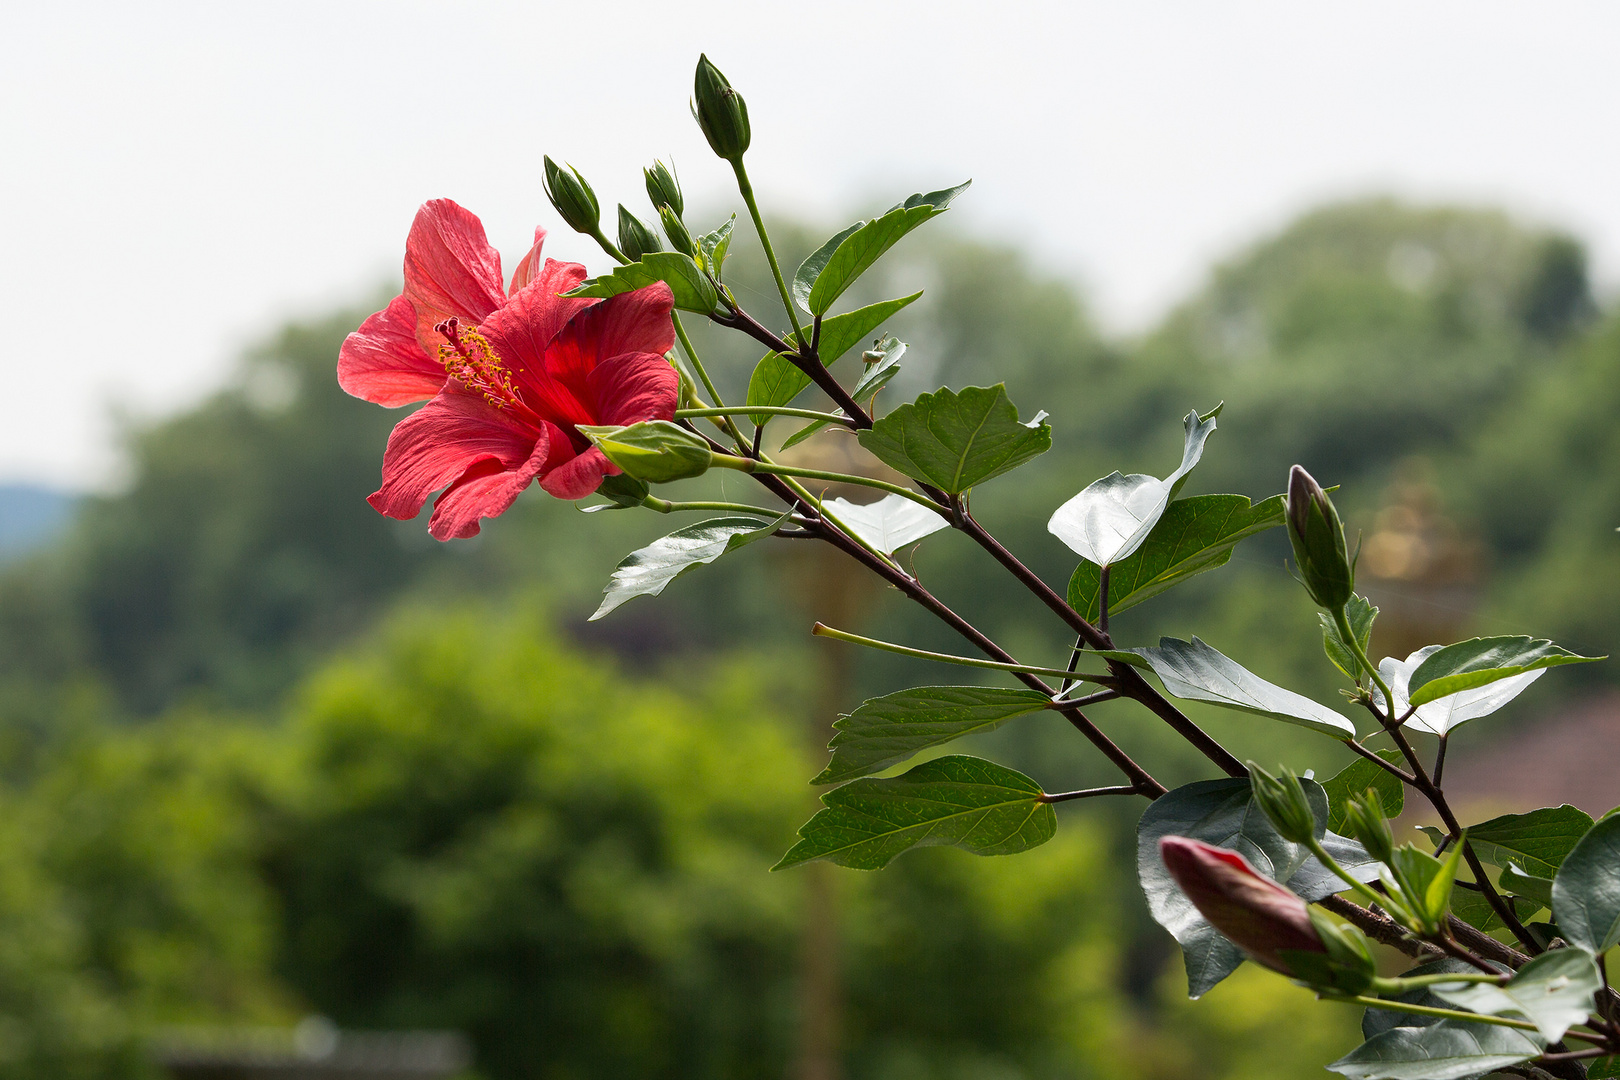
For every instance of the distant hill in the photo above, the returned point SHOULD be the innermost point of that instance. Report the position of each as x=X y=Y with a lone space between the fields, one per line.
x=31 y=516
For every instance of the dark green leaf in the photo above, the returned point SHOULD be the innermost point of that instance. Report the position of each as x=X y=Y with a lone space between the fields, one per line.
x=693 y=290
x=1536 y=843
x=858 y=248
x=964 y=802
x=1586 y=892
x=811 y=268
x=776 y=381
x=1441 y=716
x=1472 y=908
x=623 y=492
x=1194 y=535
x=956 y=440
x=1519 y=883
x=1484 y=660
x=1554 y=992
x=645 y=571
x=1195 y=672
x=1355 y=778
x=885 y=731
x=1361 y=614
x=1113 y=516
x=1448 y=1050
x=1377 y=1021
x=1603 y=1068
x=1222 y=812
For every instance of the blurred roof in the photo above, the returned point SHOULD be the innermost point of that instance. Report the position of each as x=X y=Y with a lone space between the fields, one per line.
x=1572 y=757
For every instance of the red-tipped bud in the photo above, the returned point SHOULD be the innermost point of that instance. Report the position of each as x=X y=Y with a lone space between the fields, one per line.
x=1255 y=913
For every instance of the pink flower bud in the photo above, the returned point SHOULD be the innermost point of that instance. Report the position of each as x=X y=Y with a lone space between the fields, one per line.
x=1254 y=912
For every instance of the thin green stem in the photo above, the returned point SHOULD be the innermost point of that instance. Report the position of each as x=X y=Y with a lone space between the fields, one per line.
x=664 y=506
x=766 y=410
x=1401 y=986
x=703 y=376
x=803 y=494
x=743 y=464
x=608 y=246
x=1443 y=1014
x=823 y=630
x=1332 y=864
x=1342 y=622
x=747 y=191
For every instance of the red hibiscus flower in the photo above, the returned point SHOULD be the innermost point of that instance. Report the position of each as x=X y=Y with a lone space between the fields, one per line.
x=511 y=374
x=1257 y=914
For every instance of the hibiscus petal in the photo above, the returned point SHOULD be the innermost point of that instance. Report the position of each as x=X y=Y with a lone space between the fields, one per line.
x=632 y=322
x=629 y=389
x=444 y=440
x=450 y=269
x=534 y=315
x=580 y=476
x=488 y=489
x=383 y=363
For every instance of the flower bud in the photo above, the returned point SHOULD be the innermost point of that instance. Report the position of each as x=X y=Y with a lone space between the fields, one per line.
x=675 y=229
x=1317 y=534
x=1258 y=915
x=663 y=189
x=572 y=196
x=635 y=238
x=1283 y=800
x=656 y=451
x=1365 y=821
x=720 y=111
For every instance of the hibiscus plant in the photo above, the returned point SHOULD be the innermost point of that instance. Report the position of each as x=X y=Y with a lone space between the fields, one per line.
x=590 y=386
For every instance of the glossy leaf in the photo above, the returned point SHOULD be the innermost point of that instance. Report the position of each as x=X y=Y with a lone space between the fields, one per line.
x=1440 y=716
x=828 y=274
x=1448 y=1050
x=890 y=523
x=693 y=290
x=956 y=440
x=959 y=801
x=1553 y=991
x=1472 y=908
x=1355 y=779
x=1361 y=614
x=1480 y=661
x=645 y=571
x=1222 y=812
x=776 y=381
x=1536 y=842
x=1113 y=517
x=886 y=730
x=1536 y=889
x=1194 y=535
x=1586 y=892
x=1195 y=672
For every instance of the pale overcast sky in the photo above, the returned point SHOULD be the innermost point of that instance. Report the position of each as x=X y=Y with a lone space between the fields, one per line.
x=178 y=177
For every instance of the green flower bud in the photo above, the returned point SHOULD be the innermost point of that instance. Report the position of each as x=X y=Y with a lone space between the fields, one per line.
x=1365 y=820
x=720 y=111
x=675 y=229
x=572 y=196
x=656 y=451
x=1283 y=800
x=635 y=238
x=1317 y=535
x=1348 y=967
x=663 y=188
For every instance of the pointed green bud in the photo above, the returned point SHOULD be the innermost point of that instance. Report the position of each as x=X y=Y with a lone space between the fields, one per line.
x=573 y=198
x=663 y=188
x=675 y=229
x=1365 y=821
x=1283 y=800
x=1317 y=535
x=635 y=238
x=720 y=111
x=656 y=451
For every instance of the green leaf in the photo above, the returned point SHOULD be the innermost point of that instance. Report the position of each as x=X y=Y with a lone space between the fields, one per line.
x=645 y=571
x=1195 y=672
x=1519 y=883
x=964 y=802
x=1485 y=660
x=878 y=373
x=1472 y=908
x=1554 y=992
x=1603 y=1068
x=1377 y=1021
x=890 y=523
x=776 y=381
x=623 y=492
x=1223 y=813
x=1355 y=778
x=886 y=730
x=1536 y=843
x=1361 y=614
x=712 y=248
x=956 y=440
x=1113 y=516
x=805 y=279
x=1586 y=892
x=1441 y=716
x=855 y=249
x=1194 y=535
x=693 y=290
x=1448 y=1050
